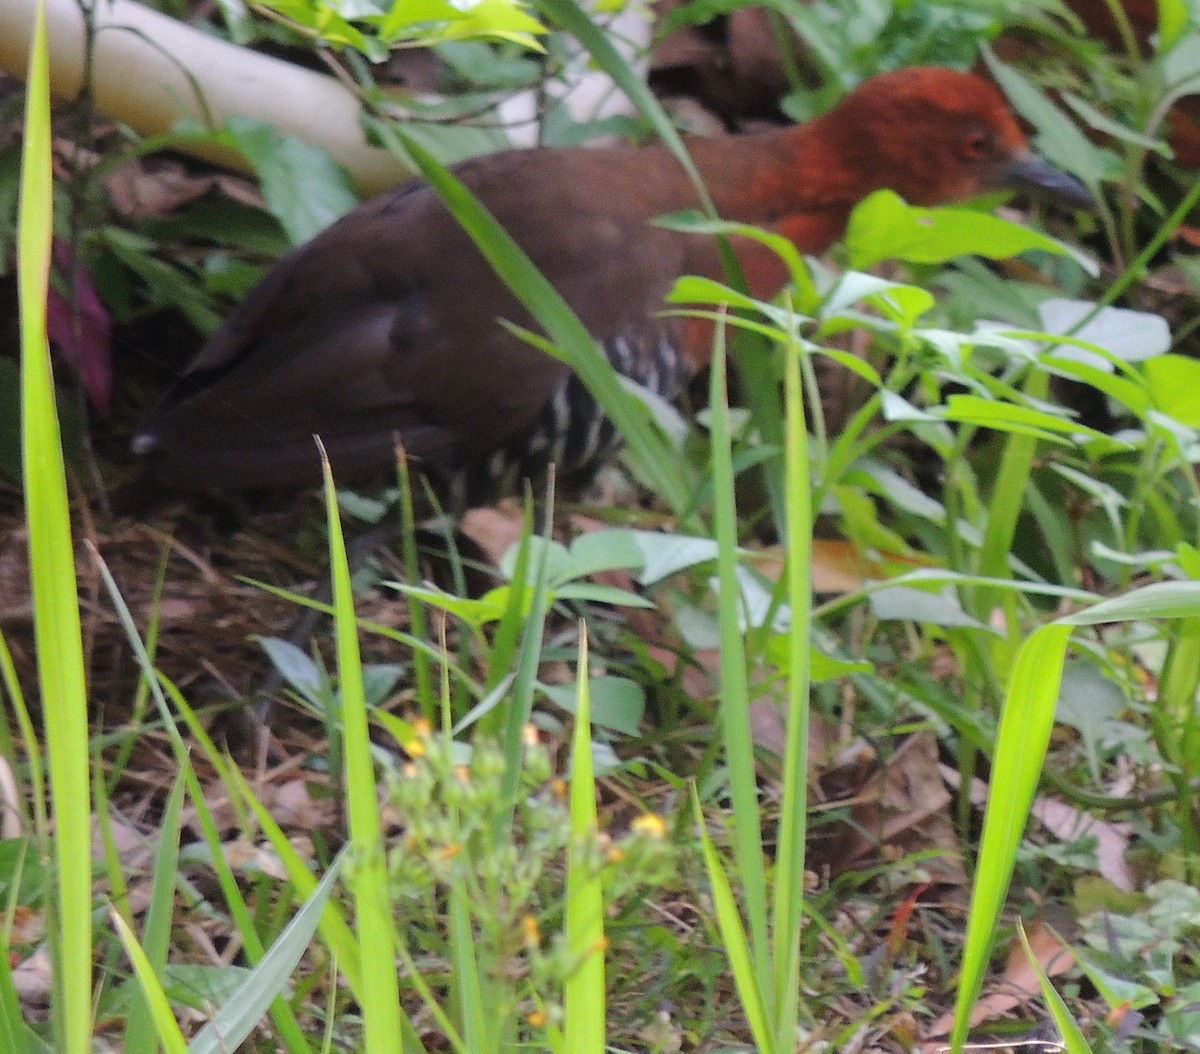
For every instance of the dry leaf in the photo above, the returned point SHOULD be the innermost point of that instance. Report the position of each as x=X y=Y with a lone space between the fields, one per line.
x=1019 y=984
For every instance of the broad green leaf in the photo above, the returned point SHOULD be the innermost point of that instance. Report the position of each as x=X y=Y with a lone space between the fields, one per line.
x=884 y=227
x=1131 y=336
x=1182 y=65
x=616 y=702
x=305 y=189
x=1007 y=417
x=1174 y=381
x=942 y=608
x=434 y=21
x=607 y=550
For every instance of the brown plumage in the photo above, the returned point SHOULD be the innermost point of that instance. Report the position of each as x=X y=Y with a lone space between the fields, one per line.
x=386 y=324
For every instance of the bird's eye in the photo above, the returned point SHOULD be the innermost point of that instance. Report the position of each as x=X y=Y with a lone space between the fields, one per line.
x=977 y=144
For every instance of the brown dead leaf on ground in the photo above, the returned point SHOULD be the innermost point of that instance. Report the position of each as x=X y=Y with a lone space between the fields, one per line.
x=899 y=807
x=839 y=566
x=1112 y=838
x=494 y=530
x=1018 y=985
x=155 y=188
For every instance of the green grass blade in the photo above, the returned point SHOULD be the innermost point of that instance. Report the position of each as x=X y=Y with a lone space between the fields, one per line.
x=288 y=1029
x=1021 y=742
x=16 y=1037
x=735 y=691
x=266 y=982
x=37 y=776
x=583 y=996
x=737 y=948
x=1072 y=1036
x=422 y=675
x=140 y=1034
x=375 y=929
x=333 y=929
x=1004 y=510
x=520 y=704
x=789 y=865
x=169 y=1033
x=52 y=569
x=477 y=1025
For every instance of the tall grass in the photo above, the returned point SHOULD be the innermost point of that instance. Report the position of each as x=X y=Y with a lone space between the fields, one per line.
x=64 y=832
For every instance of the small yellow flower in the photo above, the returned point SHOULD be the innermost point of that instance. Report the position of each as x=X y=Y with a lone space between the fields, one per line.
x=536 y=1018
x=530 y=932
x=650 y=824
x=449 y=852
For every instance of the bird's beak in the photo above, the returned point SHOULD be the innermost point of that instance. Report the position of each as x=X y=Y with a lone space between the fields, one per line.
x=1027 y=171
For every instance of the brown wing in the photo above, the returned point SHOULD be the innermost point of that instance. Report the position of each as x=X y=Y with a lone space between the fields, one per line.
x=386 y=324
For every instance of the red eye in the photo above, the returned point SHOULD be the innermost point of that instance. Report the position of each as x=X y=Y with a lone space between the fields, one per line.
x=977 y=145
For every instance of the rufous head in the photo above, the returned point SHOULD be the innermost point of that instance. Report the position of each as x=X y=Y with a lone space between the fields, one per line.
x=936 y=135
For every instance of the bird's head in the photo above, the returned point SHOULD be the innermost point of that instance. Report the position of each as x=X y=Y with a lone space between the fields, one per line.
x=935 y=135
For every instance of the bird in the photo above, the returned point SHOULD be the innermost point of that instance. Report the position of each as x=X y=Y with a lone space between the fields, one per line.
x=388 y=325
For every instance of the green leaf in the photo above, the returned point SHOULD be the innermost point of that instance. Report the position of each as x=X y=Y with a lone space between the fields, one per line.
x=884 y=227
x=1007 y=417
x=1174 y=381
x=56 y=610
x=1172 y=21
x=733 y=936
x=903 y=603
x=475 y=612
x=1071 y=1033
x=435 y=21
x=1059 y=140
x=239 y=1016
x=169 y=1033
x=821 y=667
x=1131 y=336
x=305 y=189
x=1103 y=123
x=598 y=593
x=604 y=551
x=616 y=702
